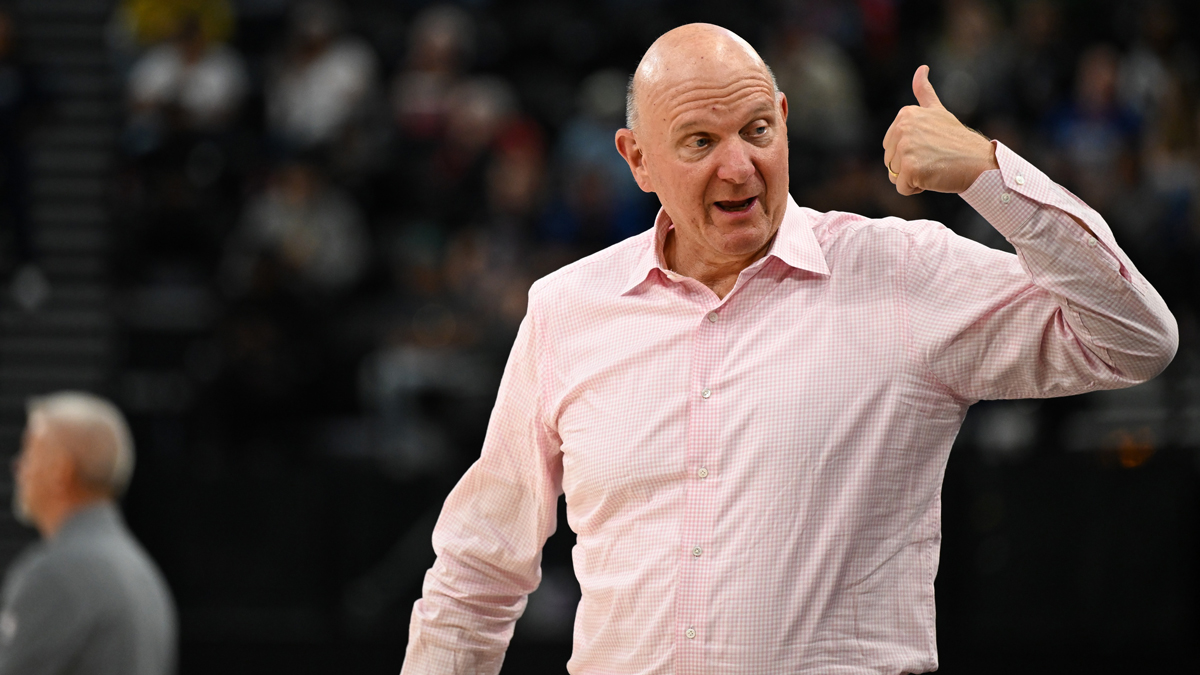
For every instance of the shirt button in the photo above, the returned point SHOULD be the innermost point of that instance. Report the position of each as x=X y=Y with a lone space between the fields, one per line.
x=690 y=633
x=1020 y=180
x=712 y=316
x=706 y=393
x=697 y=552
x=703 y=472
x=1005 y=198
x=1092 y=243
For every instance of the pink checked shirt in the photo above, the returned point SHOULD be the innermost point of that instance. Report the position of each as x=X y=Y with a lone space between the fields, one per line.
x=755 y=481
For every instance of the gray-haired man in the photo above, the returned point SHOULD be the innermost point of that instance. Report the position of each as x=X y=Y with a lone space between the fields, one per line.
x=86 y=599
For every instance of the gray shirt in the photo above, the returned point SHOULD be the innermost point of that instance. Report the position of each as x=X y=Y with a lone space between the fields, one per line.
x=87 y=602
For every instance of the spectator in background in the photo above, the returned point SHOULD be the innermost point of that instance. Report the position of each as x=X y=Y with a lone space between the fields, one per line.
x=1143 y=78
x=441 y=43
x=1042 y=61
x=311 y=232
x=323 y=84
x=1094 y=130
x=973 y=61
x=188 y=83
x=515 y=179
x=597 y=201
x=453 y=190
x=1172 y=150
x=440 y=47
x=86 y=600
x=828 y=113
x=486 y=266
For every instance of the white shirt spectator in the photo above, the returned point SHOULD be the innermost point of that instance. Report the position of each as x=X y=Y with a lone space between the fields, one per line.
x=208 y=90
x=313 y=228
x=309 y=103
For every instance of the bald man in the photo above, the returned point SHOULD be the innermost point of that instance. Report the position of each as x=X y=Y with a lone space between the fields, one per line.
x=749 y=406
x=87 y=600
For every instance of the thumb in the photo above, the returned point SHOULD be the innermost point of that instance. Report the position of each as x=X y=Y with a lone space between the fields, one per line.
x=924 y=91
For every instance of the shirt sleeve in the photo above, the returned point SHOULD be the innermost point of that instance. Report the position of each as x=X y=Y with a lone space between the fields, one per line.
x=44 y=622
x=491 y=531
x=1069 y=313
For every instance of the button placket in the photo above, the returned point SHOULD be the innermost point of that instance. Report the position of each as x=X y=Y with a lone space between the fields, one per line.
x=704 y=417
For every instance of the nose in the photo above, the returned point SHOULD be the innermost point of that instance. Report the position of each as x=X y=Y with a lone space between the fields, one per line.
x=736 y=165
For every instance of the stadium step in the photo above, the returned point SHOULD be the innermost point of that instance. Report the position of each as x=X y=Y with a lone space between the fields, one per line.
x=57 y=313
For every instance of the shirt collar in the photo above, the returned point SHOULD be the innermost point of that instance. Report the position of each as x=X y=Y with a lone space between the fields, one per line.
x=795 y=244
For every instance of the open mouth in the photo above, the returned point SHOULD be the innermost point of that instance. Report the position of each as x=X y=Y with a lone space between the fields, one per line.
x=737 y=206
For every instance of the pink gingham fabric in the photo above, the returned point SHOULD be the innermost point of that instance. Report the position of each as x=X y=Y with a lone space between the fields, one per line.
x=755 y=481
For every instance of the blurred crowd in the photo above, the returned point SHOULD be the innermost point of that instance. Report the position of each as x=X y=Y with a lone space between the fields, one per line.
x=366 y=195
x=367 y=217
x=328 y=214
x=369 y=204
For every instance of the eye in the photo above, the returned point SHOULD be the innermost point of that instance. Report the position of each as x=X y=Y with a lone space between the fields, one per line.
x=701 y=142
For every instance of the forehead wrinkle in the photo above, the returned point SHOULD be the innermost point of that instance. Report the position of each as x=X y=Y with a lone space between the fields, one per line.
x=704 y=79
x=726 y=97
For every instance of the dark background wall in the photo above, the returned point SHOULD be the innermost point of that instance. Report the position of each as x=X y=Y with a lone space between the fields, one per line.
x=304 y=309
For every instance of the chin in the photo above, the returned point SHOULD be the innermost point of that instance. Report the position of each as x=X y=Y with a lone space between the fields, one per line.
x=747 y=238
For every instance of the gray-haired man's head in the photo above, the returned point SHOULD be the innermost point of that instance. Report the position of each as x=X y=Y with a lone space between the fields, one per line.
x=76 y=449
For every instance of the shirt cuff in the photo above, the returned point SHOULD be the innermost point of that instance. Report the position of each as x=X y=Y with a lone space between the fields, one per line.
x=1009 y=196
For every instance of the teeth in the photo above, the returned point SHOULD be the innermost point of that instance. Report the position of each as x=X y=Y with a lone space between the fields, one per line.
x=735 y=206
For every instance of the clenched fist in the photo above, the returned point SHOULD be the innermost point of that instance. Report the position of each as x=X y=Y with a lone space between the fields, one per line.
x=927 y=148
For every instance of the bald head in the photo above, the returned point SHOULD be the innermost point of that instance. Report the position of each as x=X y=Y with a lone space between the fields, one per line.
x=679 y=55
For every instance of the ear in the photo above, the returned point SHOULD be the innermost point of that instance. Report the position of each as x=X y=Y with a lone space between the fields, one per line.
x=783 y=106
x=62 y=467
x=627 y=145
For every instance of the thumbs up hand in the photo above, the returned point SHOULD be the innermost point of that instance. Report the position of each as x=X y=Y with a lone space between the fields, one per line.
x=927 y=148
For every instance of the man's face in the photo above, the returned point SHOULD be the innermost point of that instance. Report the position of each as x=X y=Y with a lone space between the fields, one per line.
x=716 y=155
x=34 y=470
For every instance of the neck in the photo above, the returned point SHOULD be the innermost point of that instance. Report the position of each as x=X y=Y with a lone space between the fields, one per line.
x=55 y=516
x=718 y=273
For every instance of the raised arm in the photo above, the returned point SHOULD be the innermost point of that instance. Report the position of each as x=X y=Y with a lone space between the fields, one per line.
x=1070 y=313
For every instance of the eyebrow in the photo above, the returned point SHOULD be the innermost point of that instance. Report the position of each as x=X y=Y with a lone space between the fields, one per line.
x=757 y=112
